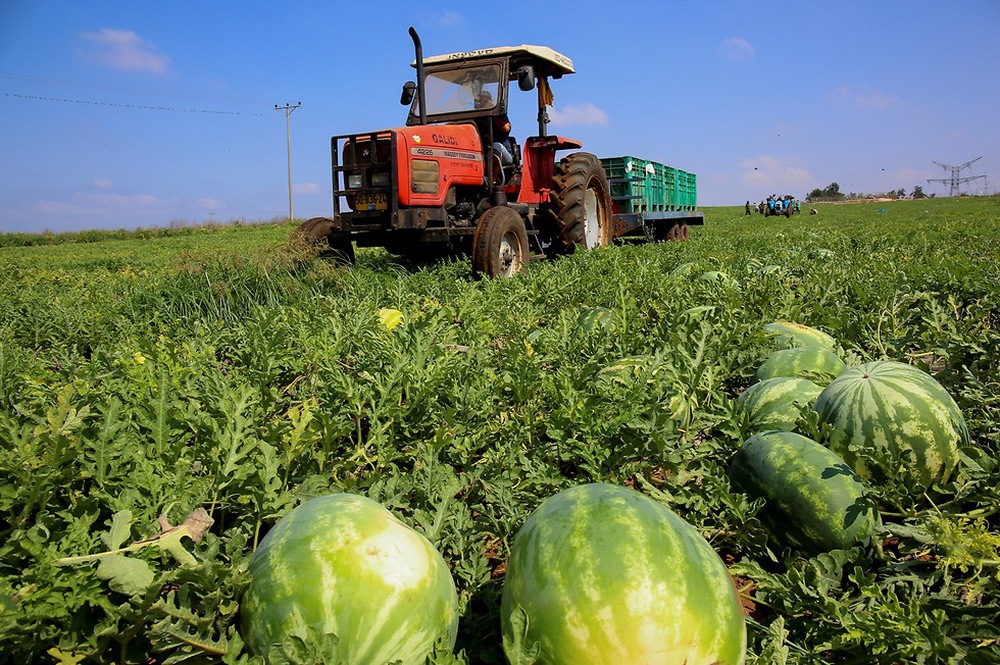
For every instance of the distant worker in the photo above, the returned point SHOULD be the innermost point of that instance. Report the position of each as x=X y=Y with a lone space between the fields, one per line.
x=748 y=208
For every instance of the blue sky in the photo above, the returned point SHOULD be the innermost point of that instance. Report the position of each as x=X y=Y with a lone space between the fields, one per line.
x=124 y=114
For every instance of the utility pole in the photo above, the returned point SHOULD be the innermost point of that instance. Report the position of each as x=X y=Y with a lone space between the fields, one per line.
x=955 y=180
x=288 y=108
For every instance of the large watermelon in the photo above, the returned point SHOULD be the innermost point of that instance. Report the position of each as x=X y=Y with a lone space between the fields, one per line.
x=343 y=565
x=890 y=418
x=777 y=403
x=815 y=363
x=604 y=574
x=790 y=335
x=813 y=500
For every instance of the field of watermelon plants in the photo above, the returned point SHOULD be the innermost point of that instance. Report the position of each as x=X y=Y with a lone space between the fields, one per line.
x=165 y=400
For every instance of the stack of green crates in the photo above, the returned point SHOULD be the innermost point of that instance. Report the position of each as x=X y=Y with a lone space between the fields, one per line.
x=640 y=185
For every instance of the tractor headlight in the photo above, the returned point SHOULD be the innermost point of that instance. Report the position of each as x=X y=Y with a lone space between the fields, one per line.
x=354 y=181
x=380 y=179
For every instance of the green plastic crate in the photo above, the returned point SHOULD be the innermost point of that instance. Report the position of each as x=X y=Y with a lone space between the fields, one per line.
x=637 y=185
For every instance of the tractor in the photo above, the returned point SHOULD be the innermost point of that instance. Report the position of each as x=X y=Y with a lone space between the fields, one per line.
x=445 y=184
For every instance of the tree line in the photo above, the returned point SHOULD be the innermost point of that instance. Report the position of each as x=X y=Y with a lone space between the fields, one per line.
x=832 y=193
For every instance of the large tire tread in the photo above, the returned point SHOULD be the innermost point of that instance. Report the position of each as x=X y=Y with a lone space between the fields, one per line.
x=574 y=175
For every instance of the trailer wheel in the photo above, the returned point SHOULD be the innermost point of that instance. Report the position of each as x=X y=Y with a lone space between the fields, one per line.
x=317 y=233
x=500 y=246
x=683 y=234
x=581 y=203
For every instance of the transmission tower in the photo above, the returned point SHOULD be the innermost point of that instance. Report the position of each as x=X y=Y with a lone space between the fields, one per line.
x=956 y=178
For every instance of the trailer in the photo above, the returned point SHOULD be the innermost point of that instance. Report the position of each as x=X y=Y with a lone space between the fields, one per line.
x=651 y=199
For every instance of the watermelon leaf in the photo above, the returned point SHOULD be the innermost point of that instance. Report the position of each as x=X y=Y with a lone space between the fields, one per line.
x=125 y=575
x=515 y=644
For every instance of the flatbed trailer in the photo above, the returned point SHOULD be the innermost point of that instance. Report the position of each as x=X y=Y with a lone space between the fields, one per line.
x=650 y=199
x=667 y=225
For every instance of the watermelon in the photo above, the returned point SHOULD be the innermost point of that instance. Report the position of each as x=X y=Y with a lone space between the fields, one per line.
x=817 y=364
x=813 y=501
x=593 y=319
x=629 y=370
x=777 y=403
x=789 y=335
x=720 y=278
x=604 y=574
x=891 y=419
x=342 y=565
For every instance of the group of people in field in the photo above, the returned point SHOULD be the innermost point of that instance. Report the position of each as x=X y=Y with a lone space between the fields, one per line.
x=774 y=204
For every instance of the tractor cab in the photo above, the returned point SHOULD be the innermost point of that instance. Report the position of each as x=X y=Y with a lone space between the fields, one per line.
x=472 y=87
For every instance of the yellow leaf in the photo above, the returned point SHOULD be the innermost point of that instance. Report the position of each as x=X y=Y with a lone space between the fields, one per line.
x=390 y=318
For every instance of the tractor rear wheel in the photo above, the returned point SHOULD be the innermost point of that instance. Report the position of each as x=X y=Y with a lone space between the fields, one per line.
x=581 y=203
x=500 y=245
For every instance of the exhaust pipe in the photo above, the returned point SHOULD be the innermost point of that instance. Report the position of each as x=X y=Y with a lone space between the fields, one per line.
x=419 y=52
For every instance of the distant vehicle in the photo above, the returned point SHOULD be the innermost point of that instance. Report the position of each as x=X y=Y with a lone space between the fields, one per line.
x=441 y=184
x=786 y=205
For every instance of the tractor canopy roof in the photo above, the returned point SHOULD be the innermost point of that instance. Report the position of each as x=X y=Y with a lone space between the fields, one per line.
x=546 y=61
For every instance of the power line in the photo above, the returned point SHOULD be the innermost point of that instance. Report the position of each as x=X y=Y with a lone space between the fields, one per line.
x=955 y=180
x=138 y=107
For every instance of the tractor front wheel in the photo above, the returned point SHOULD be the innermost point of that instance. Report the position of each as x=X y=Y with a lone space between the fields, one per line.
x=500 y=245
x=317 y=233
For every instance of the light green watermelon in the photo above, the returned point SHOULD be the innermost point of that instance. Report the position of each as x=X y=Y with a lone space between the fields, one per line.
x=789 y=335
x=898 y=416
x=343 y=565
x=813 y=500
x=720 y=278
x=817 y=364
x=628 y=371
x=593 y=319
x=777 y=403
x=604 y=574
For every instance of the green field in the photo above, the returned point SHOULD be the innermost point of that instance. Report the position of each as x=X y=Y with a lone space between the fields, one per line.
x=143 y=377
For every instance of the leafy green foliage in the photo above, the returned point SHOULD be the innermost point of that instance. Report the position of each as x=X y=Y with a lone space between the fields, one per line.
x=152 y=378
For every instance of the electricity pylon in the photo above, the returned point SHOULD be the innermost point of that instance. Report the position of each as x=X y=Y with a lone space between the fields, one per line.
x=955 y=180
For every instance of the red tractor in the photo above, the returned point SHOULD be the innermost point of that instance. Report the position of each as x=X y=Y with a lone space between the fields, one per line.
x=446 y=183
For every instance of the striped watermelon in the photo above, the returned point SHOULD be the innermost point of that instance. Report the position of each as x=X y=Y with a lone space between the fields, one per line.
x=719 y=278
x=777 y=403
x=813 y=500
x=817 y=364
x=343 y=565
x=604 y=574
x=891 y=417
x=789 y=335
x=593 y=319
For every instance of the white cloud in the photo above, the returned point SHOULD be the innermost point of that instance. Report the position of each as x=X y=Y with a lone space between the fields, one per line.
x=737 y=48
x=210 y=204
x=306 y=188
x=124 y=49
x=103 y=183
x=864 y=100
x=768 y=174
x=578 y=114
x=448 y=19
x=89 y=205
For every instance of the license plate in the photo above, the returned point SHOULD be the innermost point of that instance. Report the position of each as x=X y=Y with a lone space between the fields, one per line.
x=370 y=202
